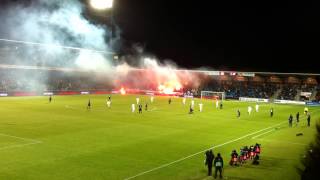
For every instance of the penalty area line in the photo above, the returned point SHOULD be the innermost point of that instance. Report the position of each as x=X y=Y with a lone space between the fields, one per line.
x=25 y=139
x=254 y=137
x=192 y=155
x=30 y=142
x=19 y=145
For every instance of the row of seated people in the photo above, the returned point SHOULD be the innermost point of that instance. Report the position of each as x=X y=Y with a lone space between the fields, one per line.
x=236 y=90
x=289 y=92
x=264 y=90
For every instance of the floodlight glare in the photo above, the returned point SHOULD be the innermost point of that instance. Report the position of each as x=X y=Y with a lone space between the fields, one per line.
x=101 y=4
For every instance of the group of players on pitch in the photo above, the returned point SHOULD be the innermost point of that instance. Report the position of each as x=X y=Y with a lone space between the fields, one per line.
x=191 y=109
x=246 y=153
x=250 y=111
x=306 y=112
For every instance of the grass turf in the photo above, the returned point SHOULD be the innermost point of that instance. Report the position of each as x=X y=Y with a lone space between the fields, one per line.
x=63 y=140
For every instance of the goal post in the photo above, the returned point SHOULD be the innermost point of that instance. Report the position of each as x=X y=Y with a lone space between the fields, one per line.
x=213 y=95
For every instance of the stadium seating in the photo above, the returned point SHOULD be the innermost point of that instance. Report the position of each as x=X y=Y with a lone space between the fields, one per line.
x=41 y=80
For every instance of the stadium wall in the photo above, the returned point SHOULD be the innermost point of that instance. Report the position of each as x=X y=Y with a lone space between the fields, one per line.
x=248 y=99
x=96 y=92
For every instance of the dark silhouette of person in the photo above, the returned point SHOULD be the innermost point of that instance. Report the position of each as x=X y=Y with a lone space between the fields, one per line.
x=190 y=110
x=140 y=108
x=218 y=164
x=89 y=104
x=308 y=119
x=209 y=161
x=290 y=120
x=238 y=113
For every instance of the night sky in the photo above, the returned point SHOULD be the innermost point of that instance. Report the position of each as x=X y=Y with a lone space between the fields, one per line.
x=230 y=35
x=224 y=35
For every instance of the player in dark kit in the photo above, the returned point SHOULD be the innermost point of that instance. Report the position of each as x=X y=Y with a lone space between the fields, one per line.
x=290 y=120
x=50 y=99
x=190 y=110
x=238 y=113
x=271 y=112
x=308 y=119
x=109 y=98
x=218 y=164
x=297 y=117
x=89 y=105
x=221 y=105
x=209 y=161
x=140 y=108
x=169 y=101
x=146 y=107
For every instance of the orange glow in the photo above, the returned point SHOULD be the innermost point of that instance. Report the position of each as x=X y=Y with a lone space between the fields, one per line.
x=122 y=91
x=170 y=87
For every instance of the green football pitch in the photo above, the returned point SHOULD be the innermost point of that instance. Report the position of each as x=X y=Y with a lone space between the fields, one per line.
x=63 y=140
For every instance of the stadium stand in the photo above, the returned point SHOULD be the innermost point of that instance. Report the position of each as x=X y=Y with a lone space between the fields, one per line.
x=262 y=86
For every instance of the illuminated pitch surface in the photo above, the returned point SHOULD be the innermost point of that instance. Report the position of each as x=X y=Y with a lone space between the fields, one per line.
x=63 y=140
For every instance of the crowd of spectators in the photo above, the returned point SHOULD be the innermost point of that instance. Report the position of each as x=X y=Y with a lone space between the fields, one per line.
x=40 y=80
x=288 y=92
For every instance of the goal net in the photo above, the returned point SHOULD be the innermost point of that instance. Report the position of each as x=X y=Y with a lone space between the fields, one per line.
x=212 y=95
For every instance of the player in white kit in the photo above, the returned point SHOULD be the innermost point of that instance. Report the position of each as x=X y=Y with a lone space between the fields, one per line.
x=200 y=107
x=108 y=103
x=133 y=108
x=249 y=110
x=192 y=104
x=257 y=107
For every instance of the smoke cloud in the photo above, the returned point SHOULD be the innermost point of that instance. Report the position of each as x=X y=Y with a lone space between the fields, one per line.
x=57 y=23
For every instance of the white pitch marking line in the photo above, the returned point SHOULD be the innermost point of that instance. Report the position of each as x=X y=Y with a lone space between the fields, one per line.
x=25 y=139
x=254 y=137
x=189 y=156
x=19 y=145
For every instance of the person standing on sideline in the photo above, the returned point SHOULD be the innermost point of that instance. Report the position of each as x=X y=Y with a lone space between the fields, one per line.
x=308 y=119
x=89 y=105
x=238 y=113
x=209 y=161
x=50 y=99
x=290 y=120
x=221 y=105
x=218 y=164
